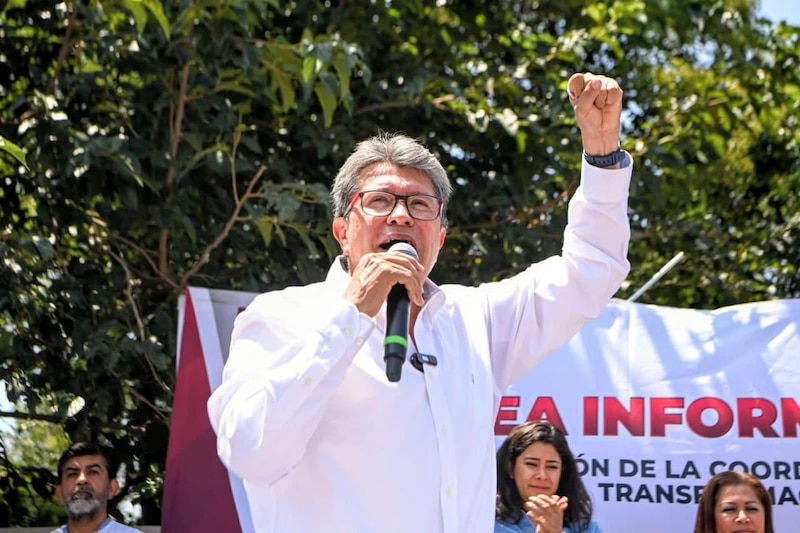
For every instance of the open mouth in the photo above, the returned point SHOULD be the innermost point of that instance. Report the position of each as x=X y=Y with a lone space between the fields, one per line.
x=391 y=242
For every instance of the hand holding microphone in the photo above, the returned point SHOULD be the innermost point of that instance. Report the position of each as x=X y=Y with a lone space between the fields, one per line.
x=376 y=273
x=395 y=278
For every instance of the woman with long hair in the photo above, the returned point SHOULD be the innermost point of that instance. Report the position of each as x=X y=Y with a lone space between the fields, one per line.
x=539 y=489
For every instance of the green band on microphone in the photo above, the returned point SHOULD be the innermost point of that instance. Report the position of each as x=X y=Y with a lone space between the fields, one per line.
x=396 y=339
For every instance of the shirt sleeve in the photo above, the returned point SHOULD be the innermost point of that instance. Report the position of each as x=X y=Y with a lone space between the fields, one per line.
x=287 y=358
x=537 y=311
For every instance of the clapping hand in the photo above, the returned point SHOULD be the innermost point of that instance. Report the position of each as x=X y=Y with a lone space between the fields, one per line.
x=547 y=512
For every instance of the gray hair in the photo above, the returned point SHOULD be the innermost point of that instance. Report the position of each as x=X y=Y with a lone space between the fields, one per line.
x=393 y=148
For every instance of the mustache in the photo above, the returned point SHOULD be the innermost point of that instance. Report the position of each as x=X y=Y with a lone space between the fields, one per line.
x=85 y=490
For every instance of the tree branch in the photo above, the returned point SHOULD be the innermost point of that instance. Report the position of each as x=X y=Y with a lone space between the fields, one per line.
x=129 y=294
x=63 y=53
x=159 y=412
x=177 y=128
x=138 y=316
x=206 y=254
x=31 y=416
x=147 y=258
x=437 y=102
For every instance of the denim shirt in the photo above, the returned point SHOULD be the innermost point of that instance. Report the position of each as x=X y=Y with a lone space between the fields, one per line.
x=108 y=526
x=526 y=526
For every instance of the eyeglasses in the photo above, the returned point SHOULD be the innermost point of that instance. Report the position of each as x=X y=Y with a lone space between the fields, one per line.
x=382 y=203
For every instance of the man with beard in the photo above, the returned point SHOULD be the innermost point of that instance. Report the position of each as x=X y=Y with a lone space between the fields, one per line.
x=86 y=482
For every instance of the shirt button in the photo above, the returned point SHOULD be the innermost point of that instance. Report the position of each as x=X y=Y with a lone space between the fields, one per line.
x=444 y=431
x=348 y=333
x=359 y=341
x=449 y=492
x=307 y=382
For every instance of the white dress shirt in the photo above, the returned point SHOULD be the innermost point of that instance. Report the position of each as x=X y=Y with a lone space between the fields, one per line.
x=324 y=443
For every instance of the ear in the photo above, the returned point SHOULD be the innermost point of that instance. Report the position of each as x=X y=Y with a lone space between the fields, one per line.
x=59 y=494
x=113 y=489
x=340 y=233
x=442 y=237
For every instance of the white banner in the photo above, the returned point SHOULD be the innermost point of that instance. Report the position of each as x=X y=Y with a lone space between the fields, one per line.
x=654 y=401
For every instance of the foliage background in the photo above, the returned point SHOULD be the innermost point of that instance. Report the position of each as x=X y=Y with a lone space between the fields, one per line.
x=183 y=142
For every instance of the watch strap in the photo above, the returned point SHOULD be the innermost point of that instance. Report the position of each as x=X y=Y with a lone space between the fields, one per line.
x=605 y=161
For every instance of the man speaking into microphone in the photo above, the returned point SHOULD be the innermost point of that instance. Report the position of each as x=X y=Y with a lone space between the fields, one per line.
x=334 y=429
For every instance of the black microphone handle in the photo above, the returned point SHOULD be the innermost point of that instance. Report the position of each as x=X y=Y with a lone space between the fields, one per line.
x=396 y=343
x=394 y=367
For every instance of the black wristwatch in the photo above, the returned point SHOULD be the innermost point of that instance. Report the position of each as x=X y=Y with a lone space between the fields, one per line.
x=605 y=161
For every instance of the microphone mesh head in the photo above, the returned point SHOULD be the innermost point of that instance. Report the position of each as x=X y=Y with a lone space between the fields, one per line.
x=404 y=248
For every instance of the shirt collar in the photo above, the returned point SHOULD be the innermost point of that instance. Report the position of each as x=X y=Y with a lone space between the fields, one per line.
x=105 y=523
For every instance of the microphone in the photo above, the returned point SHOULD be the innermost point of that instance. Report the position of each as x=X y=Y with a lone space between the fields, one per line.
x=398 y=312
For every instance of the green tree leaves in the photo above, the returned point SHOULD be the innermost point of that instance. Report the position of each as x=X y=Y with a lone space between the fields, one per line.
x=13 y=150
